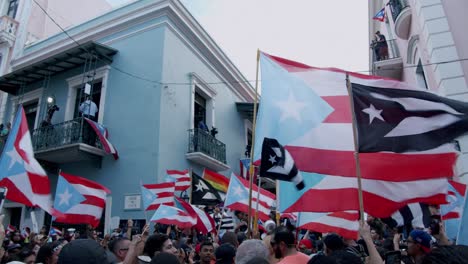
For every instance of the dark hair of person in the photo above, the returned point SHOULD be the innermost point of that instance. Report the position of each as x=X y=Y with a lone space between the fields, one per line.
x=333 y=242
x=342 y=256
x=165 y=258
x=230 y=237
x=321 y=259
x=447 y=254
x=46 y=251
x=154 y=243
x=206 y=244
x=283 y=234
x=113 y=245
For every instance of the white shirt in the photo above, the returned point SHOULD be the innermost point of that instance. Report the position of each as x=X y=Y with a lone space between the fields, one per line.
x=88 y=108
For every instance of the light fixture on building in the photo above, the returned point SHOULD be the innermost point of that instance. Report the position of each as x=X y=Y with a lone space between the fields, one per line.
x=50 y=100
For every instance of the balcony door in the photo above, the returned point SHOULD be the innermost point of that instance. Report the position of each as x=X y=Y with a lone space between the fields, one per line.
x=200 y=111
x=30 y=109
x=12 y=8
x=95 y=96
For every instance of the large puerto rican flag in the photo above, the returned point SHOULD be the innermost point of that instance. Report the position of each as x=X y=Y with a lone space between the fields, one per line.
x=20 y=172
x=205 y=223
x=171 y=215
x=103 y=135
x=323 y=148
x=81 y=201
x=154 y=195
x=345 y=224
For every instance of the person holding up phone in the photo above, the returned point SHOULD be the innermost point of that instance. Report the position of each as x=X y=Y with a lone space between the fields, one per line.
x=419 y=245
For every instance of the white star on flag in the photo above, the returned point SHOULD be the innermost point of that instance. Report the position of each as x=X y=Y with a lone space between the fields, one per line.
x=291 y=108
x=199 y=187
x=238 y=190
x=272 y=159
x=65 y=197
x=373 y=113
x=15 y=157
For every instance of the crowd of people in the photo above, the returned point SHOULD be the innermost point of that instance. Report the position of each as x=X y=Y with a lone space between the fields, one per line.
x=280 y=244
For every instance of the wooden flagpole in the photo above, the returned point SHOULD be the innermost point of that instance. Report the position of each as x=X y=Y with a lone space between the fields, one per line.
x=356 y=150
x=252 y=169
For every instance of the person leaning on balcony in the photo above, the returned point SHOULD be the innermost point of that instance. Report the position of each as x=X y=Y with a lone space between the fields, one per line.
x=5 y=130
x=89 y=109
x=382 y=46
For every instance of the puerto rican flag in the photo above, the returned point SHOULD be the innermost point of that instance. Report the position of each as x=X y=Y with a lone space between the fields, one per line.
x=81 y=201
x=54 y=231
x=205 y=223
x=20 y=172
x=345 y=224
x=10 y=229
x=171 y=215
x=181 y=179
x=103 y=135
x=456 y=198
x=154 y=195
x=380 y=16
x=237 y=198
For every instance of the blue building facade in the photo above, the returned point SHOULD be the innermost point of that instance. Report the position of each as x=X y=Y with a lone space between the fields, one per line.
x=158 y=74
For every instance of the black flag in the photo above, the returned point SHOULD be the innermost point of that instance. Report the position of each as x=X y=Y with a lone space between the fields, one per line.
x=416 y=215
x=277 y=164
x=203 y=193
x=399 y=120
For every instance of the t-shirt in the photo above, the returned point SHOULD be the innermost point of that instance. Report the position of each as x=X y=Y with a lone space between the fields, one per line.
x=298 y=258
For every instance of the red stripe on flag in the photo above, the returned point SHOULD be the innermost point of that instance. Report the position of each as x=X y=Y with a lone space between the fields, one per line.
x=78 y=219
x=346 y=215
x=14 y=194
x=459 y=187
x=324 y=228
x=377 y=206
x=83 y=181
x=245 y=208
x=377 y=166
x=177 y=172
x=93 y=200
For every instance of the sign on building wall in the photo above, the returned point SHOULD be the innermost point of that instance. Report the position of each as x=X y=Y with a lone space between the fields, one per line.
x=132 y=202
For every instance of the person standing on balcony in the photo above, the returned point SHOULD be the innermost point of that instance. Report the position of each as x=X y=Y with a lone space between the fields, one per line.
x=382 y=46
x=4 y=132
x=89 y=109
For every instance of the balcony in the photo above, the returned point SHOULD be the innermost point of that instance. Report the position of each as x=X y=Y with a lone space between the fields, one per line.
x=206 y=150
x=390 y=66
x=8 y=29
x=66 y=142
x=401 y=14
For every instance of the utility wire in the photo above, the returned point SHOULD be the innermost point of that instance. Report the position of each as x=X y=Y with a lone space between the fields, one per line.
x=222 y=82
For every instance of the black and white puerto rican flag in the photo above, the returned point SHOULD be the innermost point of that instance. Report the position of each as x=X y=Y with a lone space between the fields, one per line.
x=415 y=215
x=277 y=164
x=401 y=120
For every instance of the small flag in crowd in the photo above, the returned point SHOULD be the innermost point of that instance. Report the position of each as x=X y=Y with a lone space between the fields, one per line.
x=245 y=168
x=54 y=231
x=103 y=135
x=181 y=179
x=237 y=198
x=153 y=195
x=277 y=164
x=456 y=198
x=415 y=215
x=81 y=201
x=20 y=172
x=345 y=224
x=171 y=215
x=10 y=229
x=205 y=223
x=203 y=193
x=218 y=181
x=380 y=16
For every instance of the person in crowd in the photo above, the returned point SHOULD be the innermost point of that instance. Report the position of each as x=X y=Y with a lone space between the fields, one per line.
x=165 y=258
x=230 y=237
x=225 y=254
x=419 y=245
x=266 y=241
x=332 y=242
x=6 y=130
x=258 y=260
x=158 y=243
x=83 y=251
x=447 y=254
x=382 y=46
x=89 y=109
x=48 y=254
x=283 y=244
x=249 y=249
x=206 y=253
x=119 y=247
x=27 y=256
x=305 y=246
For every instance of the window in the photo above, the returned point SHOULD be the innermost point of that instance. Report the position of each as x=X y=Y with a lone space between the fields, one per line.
x=31 y=103
x=95 y=97
x=12 y=8
x=30 y=109
x=203 y=100
x=76 y=95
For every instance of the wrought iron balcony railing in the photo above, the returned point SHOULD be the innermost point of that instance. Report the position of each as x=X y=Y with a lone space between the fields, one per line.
x=66 y=133
x=202 y=141
x=396 y=7
x=392 y=51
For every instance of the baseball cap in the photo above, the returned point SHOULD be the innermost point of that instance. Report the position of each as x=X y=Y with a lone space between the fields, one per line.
x=83 y=251
x=422 y=238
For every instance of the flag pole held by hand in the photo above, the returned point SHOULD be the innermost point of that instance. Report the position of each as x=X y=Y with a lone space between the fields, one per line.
x=356 y=150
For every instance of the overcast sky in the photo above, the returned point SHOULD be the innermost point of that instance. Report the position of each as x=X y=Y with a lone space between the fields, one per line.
x=330 y=33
